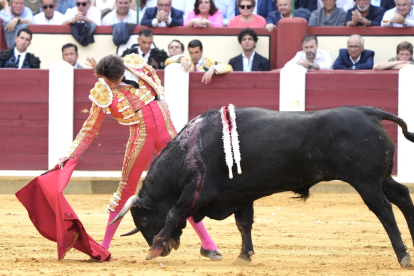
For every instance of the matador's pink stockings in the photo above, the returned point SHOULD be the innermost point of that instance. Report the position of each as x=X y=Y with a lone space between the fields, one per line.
x=206 y=241
x=110 y=230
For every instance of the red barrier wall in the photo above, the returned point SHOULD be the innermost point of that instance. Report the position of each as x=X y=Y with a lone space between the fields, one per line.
x=23 y=119
x=24 y=108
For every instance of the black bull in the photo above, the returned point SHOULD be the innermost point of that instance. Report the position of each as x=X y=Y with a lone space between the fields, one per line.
x=281 y=151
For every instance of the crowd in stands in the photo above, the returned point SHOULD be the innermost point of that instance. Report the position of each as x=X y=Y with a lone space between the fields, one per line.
x=16 y=15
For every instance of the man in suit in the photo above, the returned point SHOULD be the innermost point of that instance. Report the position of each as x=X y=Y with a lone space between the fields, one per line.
x=262 y=8
x=355 y=57
x=249 y=60
x=70 y=55
x=284 y=11
x=163 y=15
x=18 y=57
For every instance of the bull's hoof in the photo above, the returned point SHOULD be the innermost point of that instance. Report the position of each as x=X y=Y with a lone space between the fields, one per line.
x=405 y=262
x=213 y=255
x=243 y=259
x=172 y=243
x=154 y=253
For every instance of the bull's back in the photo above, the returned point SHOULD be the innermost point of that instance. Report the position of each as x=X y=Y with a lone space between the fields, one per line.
x=290 y=151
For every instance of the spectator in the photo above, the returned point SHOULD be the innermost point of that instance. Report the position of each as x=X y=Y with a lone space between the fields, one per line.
x=364 y=14
x=263 y=8
x=227 y=9
x=14 y=18
x=247 y=19
x=205 y=14
x=163 y=15
x=70 y=55
x=312 y=57
x=284 y=11
x=145 y=48
x=175 y=48
x=103 y=5
x=198 y=63
x=249 y=60
x=404 y=57
x=49 y=16
x=64 y=5
x=329 y=15
x=355 y=57
x=33 y=5
x=400 y=16
x=17 y=57
x=84 y=12
x=122 y=13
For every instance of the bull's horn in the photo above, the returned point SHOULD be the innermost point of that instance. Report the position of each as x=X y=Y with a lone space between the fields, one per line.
x=125 y=209
x=132 y=232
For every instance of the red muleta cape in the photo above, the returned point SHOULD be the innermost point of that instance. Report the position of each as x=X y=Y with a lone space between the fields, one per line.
x=52 y=215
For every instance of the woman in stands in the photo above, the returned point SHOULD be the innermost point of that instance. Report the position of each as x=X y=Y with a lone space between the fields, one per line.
x=131 y=92
x=247 y=19
x=205 y=14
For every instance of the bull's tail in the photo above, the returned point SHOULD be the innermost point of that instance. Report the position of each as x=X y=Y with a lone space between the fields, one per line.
x=383 y=115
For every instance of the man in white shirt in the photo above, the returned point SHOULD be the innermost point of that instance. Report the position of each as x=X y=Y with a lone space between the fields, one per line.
x=122 y=13
x=311 y=57
x=145 y=40
x=83 y=12
x=400 y=16
x=49 y=16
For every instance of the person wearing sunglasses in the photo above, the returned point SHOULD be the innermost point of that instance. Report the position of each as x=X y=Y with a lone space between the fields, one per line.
x=205 y=14
x=247 y=19
x=49 y=16
x=83 y=12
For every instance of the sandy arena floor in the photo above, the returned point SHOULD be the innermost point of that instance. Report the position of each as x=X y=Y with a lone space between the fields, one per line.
x=330 y=234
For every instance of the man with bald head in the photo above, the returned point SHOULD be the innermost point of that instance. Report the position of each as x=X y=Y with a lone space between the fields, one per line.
x=355 y=57
x=400 y=16
x=364 y=14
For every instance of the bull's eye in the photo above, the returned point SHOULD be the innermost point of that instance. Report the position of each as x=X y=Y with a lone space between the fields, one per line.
x=144 y=222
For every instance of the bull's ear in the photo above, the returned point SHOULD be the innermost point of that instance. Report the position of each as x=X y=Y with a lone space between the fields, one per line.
x=145 y=203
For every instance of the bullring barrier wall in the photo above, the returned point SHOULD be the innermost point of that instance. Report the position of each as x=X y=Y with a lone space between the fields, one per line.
x=25 y=114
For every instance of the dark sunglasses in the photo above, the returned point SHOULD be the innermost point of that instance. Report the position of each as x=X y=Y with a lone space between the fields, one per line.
x=51 y=6
x=83 y=4
x=245 y=7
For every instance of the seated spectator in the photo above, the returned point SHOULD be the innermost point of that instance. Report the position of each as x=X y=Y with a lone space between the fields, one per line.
x=205 y=14
x=227 y=9
x=404 y=57
x=400 y=16
x=198 y=63
x=312 y=57
x=329 y=15
x=49 y=16
x=284 y=11
x=355 y=57
x=14 y=18
x=152 y=55
x=262 y=8
x=163 y=15
x=122 y=13
x=175 y=48
x=70 y=55
x=103 y=5
x=17 y=57
x=33 y=5
x=247 y=19
x=364 y=14
x=84 y=12
x=249 y=60
x=64 y=5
